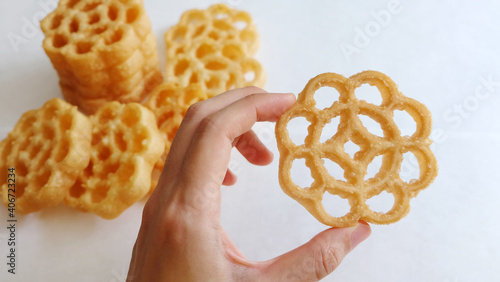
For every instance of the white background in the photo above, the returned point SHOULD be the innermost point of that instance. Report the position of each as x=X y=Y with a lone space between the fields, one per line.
x=439 y=52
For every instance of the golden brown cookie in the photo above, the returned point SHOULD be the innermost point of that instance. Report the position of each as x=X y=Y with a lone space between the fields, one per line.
x=391 y=146
x=47 y=149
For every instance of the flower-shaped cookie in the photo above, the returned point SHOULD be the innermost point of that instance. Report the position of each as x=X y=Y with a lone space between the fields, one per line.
x=391 y=146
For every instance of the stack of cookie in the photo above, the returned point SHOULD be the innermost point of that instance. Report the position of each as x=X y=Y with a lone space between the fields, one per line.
x=103 y=50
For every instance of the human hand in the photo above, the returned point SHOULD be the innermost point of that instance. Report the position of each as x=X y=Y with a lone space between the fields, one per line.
x=181 y=237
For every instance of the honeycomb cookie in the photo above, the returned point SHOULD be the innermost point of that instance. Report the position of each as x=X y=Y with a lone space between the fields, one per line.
x=101 y=44
x=169 y=102
x=214 y=48
x=47 y=148
x=126 y=144
x=391 y=146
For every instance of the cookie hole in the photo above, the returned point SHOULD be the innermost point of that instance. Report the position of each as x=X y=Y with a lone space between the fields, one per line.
x=179 y=50
x=164 y=118
x=233 y=52
x=130 y=117
x=199 y=31
x=374 y=167
x=35 y=148
x=368 y=93
x=222 y=25
x=164 y=96
x=50 y=112
x=21 y=169
x=113 y=12
x=77 y=190
x=42 y=179
x=240 y=25
x=204 y=50
x=214 y=35
x=181 y=67
x=325 y=97
x=20 y=188
x=381 y=203
x=215 y=65
x=371 y=125
x=298 y=130
x=193 y=79
x=410 y=170
x=104 y=153
x=94 y=18
x=126 y=171
x=63 y=151
x=351 y=148
x=112 y=168
x=249 y=76
x=72 y=3
x=115 y=37
x=220 y=15
x=96 y=137
x=330 y=129
x=139 y=141
x=335 y=205
x=83 y=47
x=59 y=41
x=56 y=21
x=192 y=96
x=73 y=26
x=99 y=30
x=213 y=83
x=90 y=6
x=132 y=14
x=405 y=122
x=120 y=141
x=66 y=122
x=99 y=193
x=301 y=174
x=106 y=115
x=334 y=169
x=87 y=172
x=48 y=132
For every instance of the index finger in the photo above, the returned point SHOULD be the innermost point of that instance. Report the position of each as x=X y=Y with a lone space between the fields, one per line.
x=210 y=148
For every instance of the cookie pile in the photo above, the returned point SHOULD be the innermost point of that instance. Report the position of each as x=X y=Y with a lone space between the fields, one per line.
x=102 y=51
x=100 y=164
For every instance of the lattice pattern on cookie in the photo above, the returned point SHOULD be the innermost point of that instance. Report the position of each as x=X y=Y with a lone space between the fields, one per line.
x=218 y=67
x=48 y=147
x=218 y=22
x=169 y=102
x=391 y=146
x=94 y=34
x=125 y=145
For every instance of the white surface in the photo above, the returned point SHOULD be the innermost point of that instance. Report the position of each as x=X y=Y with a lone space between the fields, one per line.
x=437 y=51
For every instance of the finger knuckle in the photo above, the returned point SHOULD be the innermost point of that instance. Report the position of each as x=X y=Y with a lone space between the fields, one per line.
x=327 y=259
x=195 y=111
x=208 y=124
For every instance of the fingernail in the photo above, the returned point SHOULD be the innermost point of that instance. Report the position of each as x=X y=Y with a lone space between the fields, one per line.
x=360 y=234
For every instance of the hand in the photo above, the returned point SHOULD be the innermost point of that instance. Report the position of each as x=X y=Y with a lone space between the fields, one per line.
x=181 y=238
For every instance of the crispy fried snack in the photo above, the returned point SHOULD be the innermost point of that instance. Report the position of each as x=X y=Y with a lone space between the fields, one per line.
x=125 y=145
x=213 y=47
x=101 y=50
x=169 y=102
x=47 y=148
x=391 y=146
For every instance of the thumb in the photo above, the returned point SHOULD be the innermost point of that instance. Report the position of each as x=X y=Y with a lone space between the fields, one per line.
x=319 y=257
